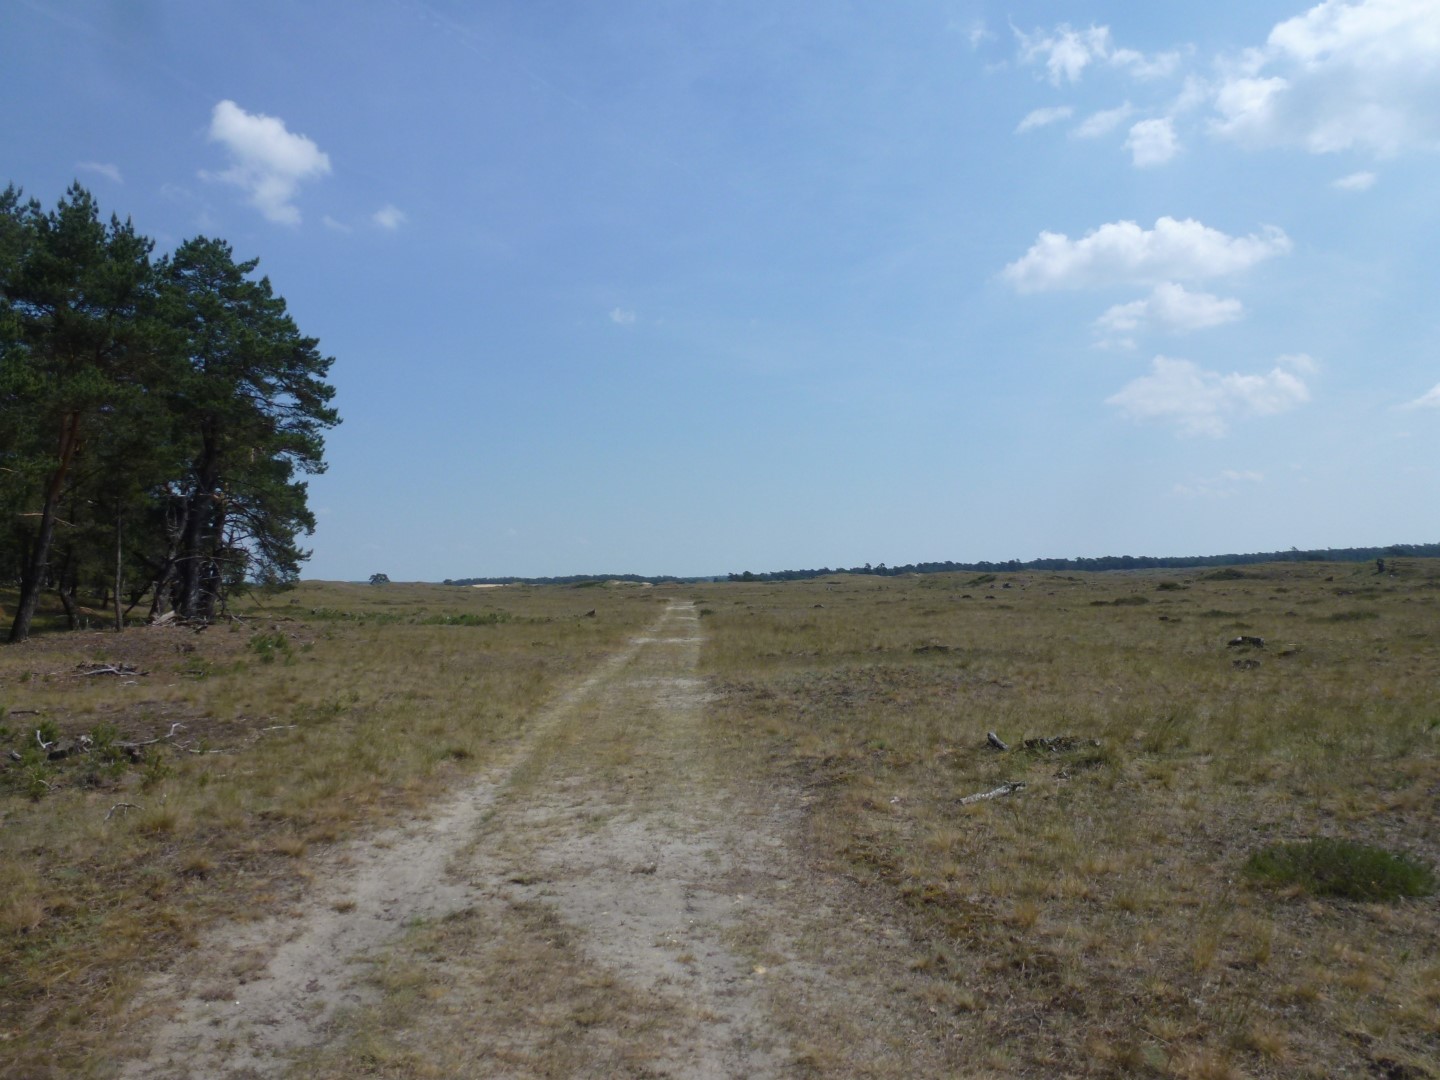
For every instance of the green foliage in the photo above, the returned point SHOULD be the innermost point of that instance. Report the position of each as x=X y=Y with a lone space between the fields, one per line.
x=1170 y=586
x=156 y=771
x=1121 y=601
x=487 y=618
x=269 y=646
x=164 y=411
x=1229 y=573
x=1357 y=615
x=1341 y=868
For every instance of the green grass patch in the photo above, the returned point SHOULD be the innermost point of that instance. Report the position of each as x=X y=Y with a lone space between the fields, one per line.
x=1341 y=868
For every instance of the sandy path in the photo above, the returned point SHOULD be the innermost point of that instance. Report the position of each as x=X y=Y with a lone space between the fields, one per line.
x=615 y=868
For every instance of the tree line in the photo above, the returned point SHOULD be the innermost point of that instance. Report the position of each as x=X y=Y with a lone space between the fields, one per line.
x=157 y=417
x=1110 y=562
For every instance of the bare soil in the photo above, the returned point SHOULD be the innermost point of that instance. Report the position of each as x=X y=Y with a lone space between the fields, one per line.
x=619 y=896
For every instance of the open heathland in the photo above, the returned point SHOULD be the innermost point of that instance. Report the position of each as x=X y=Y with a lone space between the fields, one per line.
x=730 y=827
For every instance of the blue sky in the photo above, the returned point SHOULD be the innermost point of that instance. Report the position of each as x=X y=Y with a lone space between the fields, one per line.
x=692 y=287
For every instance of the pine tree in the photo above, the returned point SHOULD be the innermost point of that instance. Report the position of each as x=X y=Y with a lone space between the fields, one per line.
x=75 y=293
x=252 y=404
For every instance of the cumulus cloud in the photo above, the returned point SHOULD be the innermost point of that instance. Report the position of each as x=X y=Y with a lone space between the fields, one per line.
x=1170 y=307
x=1356 y=181
x=1428 y=400
x=1121 y=252
x=1345 y=75
x=1103 y=122
x=621 y=317
x=1152 y=142
x=1041 y=117
x=269 y=162
x=1067 y=52
x=389 y=217
x=110 y=172
x=1200 y=402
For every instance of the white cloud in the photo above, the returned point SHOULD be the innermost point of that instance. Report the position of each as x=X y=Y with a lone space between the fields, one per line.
x=1041 y=117
x=269 y=161
x=389 y=217
x=1428 y=400
x=1146 y=67
x=621 y=317
x=1170 y=307
x=1344 y=75
x=1221 y=486
x=1356 y=181
x=335 y=226
x=1122 y=252
x=1067 y=52
x=978 y=34
x=1200 y=402
x=1064 y=51
x=1152 y=142
x=1299 y=363
x=1103 y=122
x=110 y=172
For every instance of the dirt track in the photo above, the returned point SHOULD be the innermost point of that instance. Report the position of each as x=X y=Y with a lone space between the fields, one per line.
x=615 y=898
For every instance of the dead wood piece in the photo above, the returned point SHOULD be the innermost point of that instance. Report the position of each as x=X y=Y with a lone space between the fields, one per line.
x=1246 y=641
x=1007 y=788
x=995 y=741
x=123 y=806
x=133 y=748
x=114 y=669
x=1056 y=744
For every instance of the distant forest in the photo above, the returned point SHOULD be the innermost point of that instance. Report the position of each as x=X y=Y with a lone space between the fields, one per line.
x=1108 y=562
x=1112 y=562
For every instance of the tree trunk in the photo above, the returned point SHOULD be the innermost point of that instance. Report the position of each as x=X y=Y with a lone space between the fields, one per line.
x=65 y=589
x=119 y=567
x=33 y=579
x=197 y=543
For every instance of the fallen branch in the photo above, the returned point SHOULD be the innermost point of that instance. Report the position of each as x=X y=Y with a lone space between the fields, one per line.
x=995 y=741
x=123 y=806
x=133 y=748
x=1007 y=788
x=114 y=669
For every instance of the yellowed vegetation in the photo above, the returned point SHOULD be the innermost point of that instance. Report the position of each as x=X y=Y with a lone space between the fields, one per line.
x=324 y=712
x=1097 y=922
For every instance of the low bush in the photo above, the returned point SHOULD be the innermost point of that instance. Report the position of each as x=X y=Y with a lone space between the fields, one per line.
x=1343 y=868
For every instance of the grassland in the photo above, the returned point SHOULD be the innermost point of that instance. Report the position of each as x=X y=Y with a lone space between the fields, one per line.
x=1099 y=921
x=321 y=713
